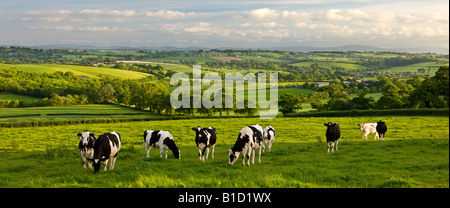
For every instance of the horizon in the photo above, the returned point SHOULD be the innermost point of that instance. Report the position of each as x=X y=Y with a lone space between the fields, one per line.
x=235 y=24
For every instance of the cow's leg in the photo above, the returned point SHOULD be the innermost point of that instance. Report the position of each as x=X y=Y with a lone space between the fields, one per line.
x=337 y=141
x=253 y=156
x=249 y=154
x=200 y=154
x=207 y=152
x=264 y=147
x=382 y=137
x=106 y=163
x=83 y=157
x=244 y=153
x=328 y=144
x=111 y=163
x=269 y=146
x=148 y=150
x=212 y=152
x=376 y=135
x=161 y=150
x=166 y=152
x=259 y=156
x=332 y=146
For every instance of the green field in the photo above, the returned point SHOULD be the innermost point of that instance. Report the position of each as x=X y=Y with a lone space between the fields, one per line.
x=91 y=72
x=70 y=113
x=410 y=156
x=13 y=97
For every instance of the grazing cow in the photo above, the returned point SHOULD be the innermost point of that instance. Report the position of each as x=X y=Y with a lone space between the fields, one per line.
x=333 y=134
x=86 y=147
x=205 y=138
x=269 y=137
x=161 y=139
x=381 y=129
x=249 y=139
x=106 y=149
x=369 y=128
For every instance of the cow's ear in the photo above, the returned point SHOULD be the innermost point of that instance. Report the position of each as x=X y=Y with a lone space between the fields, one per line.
x=230 y=151
x=194 y=129
x=92 y=134
x=79 y=134
x=334 y=124
x=325 y=124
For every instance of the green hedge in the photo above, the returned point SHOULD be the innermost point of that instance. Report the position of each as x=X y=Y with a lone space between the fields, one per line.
x=390 y=112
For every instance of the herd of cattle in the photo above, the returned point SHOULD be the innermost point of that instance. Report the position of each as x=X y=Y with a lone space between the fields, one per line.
x=250 y=139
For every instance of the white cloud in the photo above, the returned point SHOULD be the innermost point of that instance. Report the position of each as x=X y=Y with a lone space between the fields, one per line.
x=104 y=12
x=168 y=14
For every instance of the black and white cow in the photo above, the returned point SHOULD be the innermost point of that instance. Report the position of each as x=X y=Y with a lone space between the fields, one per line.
x=381 y=129
x=249 y=139
x=333 y=134
x=106 y=149
x=269 y=137
x=161 y=139
x=205 y=138
x=86 y=147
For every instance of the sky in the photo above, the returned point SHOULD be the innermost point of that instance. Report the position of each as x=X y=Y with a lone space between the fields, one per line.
x=230 y=23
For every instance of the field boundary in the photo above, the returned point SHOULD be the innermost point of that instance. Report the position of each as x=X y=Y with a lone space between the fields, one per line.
x=398 y=112
x=390 y=112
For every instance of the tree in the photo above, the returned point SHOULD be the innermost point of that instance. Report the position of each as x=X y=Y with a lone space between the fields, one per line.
x=391 y=99
x=433 y=92
x=362 y=103
x=107 y=94
x=288 y=103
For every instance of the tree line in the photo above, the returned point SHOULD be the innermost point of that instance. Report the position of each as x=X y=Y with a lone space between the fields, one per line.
x=396 y=94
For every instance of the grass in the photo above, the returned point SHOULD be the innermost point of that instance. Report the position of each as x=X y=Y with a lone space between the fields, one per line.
x=410 y=156
x=13 y=97
x=69 y=113
x=92 y=72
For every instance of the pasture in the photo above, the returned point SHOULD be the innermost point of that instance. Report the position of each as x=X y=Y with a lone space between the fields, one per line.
x=91 y=72
x=415 y=154
x=78 y=112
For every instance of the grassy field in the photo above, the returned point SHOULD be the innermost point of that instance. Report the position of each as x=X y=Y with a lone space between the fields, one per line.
x=69 y=113
x=410 y=156
x=91 y=72
x=12 y=97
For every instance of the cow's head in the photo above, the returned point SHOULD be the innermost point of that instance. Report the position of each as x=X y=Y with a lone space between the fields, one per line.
x=197 y=130
x=177 y=153
x=380 y=122
x=361 y=127
x=329 y=125
x=97 y=163
x=85 y=137
x=198 y=134
x=233 y=156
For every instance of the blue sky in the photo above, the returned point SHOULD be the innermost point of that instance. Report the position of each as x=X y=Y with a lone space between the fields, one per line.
x=232 y=23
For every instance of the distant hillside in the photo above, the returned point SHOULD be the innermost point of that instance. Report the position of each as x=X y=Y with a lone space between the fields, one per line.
x=305 y=48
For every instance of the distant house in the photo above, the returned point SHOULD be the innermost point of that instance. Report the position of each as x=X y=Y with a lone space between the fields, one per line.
x=321 y=84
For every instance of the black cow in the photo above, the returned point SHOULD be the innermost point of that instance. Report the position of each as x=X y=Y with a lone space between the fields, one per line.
x=161 y=139
x=381 y=129
x=86 y=147
x=205 y=138
x=333 y=134
x=106 y=149
x=249 y=139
